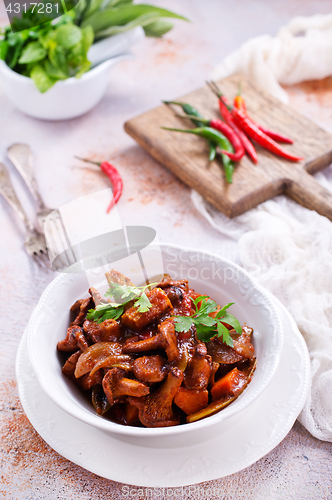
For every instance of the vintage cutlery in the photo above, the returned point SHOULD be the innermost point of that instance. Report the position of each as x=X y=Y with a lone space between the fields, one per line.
x=34 y=243
x=57 y=242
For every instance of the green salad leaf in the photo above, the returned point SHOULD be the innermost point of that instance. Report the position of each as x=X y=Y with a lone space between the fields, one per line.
x=32 y=52
x=48 y=48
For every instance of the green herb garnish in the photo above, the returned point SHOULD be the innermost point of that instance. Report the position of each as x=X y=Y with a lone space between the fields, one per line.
x=48 y=47
x=122 y=295
x=206 y=326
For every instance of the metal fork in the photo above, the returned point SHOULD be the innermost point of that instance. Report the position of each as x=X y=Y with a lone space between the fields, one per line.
x=34 y=243
x=59 y=250
x=21 y=157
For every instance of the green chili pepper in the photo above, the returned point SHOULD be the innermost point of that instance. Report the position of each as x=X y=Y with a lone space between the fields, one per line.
x=216 y=138
x=213 y=151
x=190 y=110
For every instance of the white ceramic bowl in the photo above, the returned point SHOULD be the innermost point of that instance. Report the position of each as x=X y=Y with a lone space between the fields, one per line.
x=66 y=99
x=208 y=274
x=75 y=96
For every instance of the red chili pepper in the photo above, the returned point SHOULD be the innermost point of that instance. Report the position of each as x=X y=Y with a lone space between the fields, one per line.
x=116 y=181
x=228 y=133
x=232 y=137
x=224 y=106
x=240 y=104
x=255 y=133
x=113 y=176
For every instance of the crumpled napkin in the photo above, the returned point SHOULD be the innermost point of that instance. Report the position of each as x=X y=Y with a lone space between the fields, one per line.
x=286 y=247
x=301 y=51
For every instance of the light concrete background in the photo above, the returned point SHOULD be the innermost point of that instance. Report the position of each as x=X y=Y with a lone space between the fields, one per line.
x=300 y=467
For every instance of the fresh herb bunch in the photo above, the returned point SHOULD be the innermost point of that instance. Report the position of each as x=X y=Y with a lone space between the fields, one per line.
x=207 y=326
x=122 y=295
x=49 y=52
x=49 y=49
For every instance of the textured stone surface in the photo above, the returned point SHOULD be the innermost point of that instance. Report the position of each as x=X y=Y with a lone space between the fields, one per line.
x=300 y=467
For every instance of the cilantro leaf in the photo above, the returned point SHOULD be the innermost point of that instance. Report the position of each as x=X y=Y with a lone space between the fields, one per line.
x=222 y=311
x=105 y=311
x=208 y=326
x=224 y=333
x=143 y=303
x=121 y=292
x=121 y=295
x=230 y=320
x=205 y=333
x=183 y=323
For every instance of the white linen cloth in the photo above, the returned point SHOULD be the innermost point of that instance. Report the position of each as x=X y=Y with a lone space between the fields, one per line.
x=286 y=247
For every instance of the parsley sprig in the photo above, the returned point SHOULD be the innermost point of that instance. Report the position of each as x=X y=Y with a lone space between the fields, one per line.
x=121 y=295
x=206 y=326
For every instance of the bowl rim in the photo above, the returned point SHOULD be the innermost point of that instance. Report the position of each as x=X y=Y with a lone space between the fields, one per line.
x=143 y=432
x=92 y=73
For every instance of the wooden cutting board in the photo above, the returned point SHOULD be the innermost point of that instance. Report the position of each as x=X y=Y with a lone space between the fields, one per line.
x=186 y=154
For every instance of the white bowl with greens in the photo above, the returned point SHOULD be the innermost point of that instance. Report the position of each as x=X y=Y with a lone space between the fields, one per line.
x=59 y=70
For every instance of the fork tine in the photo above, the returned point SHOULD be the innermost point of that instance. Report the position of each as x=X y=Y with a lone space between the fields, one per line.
x=60 y=251
x=56 y=246
x=40 y=262
x=44 y=258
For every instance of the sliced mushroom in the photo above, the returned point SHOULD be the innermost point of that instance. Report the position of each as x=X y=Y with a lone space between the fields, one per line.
x=160 y=303
x=156 y=410
x=175 y=294
x=198 y=371
x=68 y=368
x=222 y=353
x=116 y=385
x=88 y=380
x=214 y=369
x=97 y=353
x=169 y=340
x=141 y=346
x=150 y=368
x=167 y=282
x=165 y=339
x=116 y=277
x=97 y=297
x=107 y=331
x=74 y=340
x=84 y=306
x=242 y=343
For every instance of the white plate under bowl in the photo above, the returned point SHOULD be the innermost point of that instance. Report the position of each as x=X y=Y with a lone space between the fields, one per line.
x=235 y=444
x=208 y=274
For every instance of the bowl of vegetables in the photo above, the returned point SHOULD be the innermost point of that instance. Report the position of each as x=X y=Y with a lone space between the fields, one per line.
x=170 y=358
x=58 y=69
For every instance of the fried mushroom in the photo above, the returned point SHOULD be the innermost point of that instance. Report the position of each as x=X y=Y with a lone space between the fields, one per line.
x=156 y=409
x=198 y=371
x=116 y=386
x=74 y=340
x=150 y=369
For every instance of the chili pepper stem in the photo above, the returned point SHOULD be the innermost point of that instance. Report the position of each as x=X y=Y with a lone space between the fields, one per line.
x=173 y=102
x=193 y=118
x=189 y=131
x=214 y=88
x=88 y=161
